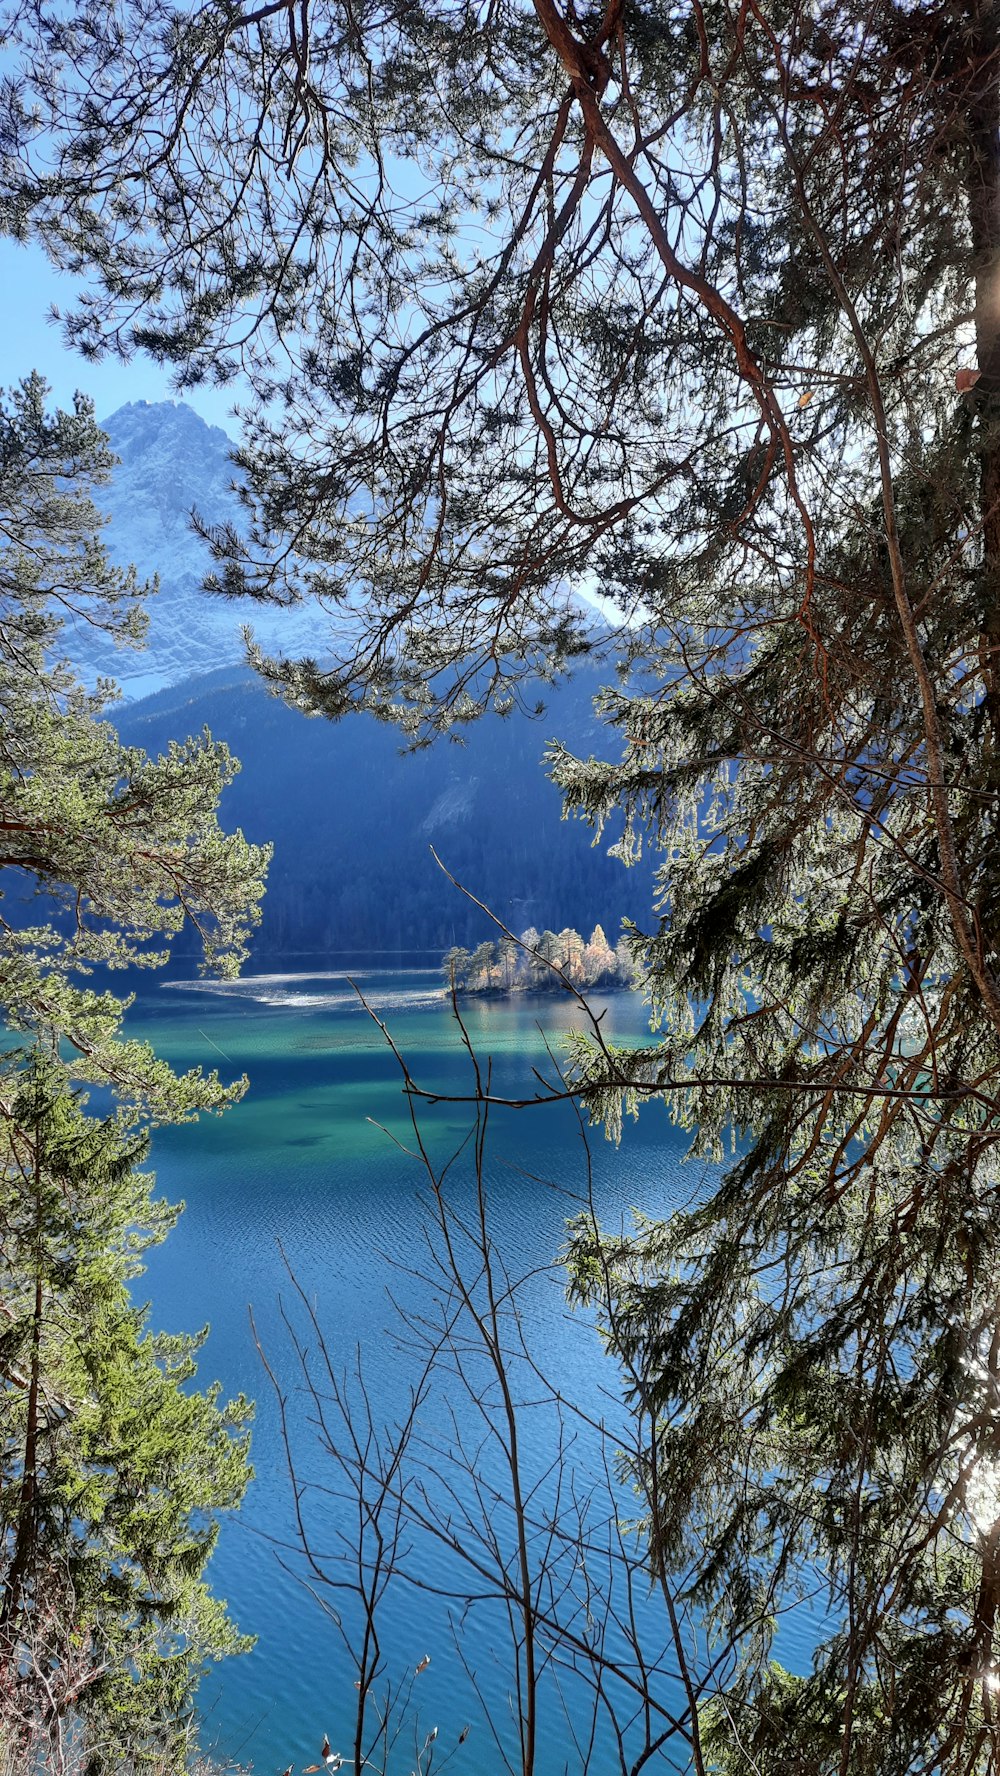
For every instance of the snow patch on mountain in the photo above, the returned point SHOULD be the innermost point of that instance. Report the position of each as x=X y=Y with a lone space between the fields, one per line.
x=456 y=802
x=170 y=462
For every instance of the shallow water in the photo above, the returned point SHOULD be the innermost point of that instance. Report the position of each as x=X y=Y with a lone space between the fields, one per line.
x=308 y=1179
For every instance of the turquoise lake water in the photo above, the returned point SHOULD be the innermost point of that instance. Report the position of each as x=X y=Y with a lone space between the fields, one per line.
x=306 y=1179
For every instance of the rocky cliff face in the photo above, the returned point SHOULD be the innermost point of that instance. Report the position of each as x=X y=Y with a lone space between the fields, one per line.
x=171 y=462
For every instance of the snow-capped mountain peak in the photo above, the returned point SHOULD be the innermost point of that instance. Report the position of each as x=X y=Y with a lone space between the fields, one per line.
x=170 y=463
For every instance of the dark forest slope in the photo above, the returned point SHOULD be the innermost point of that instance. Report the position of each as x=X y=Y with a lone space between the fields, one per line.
x=353 y=819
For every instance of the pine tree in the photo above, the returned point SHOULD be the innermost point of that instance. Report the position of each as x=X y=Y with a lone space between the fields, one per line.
x=701 y=314
x=482 y=964
x=457 y=964
x=112 y=1470
x=115 y=850
x=509 y=956
x=571 y=949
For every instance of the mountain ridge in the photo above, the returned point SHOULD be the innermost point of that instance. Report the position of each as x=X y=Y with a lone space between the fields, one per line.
x=172 y=461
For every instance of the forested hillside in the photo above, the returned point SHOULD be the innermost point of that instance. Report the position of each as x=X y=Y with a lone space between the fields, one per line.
x=353 y=820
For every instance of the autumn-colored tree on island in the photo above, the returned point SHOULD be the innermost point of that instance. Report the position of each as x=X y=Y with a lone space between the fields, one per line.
x=535 y=962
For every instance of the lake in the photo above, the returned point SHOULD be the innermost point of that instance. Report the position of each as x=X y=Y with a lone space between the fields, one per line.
x=306 y=1187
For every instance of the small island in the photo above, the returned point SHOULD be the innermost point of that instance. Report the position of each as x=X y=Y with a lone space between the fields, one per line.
x=540 y=963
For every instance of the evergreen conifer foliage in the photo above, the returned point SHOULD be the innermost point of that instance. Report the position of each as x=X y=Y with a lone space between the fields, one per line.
x=699 y=301
x=112 y=1468
x=120 y=848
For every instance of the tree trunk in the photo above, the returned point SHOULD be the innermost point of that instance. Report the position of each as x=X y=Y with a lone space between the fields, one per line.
x=27 y=1513
x=983 y=193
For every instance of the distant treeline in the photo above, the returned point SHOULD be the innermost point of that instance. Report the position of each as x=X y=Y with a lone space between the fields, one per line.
x=527 y=964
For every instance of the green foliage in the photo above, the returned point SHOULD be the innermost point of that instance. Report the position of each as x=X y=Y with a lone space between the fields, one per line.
x=817 y=1380
x=120 y=849
x=112 y=1468
x=680 y=322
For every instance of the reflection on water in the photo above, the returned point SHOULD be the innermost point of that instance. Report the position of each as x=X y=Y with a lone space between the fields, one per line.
x=310 y=1179
x=381 y=989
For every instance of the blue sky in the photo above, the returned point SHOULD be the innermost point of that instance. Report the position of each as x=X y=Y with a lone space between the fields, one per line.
x=29 y=341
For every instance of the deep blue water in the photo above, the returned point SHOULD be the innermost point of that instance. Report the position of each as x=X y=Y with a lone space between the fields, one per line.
x=307 y=1179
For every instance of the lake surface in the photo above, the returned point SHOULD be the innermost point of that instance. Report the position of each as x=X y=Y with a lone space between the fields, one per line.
x=307 y=1180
